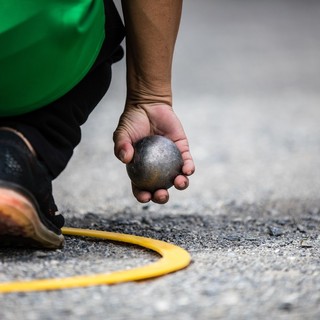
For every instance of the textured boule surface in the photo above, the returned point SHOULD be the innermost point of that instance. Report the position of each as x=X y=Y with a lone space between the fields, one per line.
x=156 y=162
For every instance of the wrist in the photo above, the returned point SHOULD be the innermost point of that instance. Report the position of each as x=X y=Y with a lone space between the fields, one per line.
x=148 y=80
x=142 y=92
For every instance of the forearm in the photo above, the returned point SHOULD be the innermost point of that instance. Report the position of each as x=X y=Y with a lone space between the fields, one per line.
x=152 y=27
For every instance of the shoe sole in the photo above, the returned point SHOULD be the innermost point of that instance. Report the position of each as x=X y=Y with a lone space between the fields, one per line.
x=20 y=224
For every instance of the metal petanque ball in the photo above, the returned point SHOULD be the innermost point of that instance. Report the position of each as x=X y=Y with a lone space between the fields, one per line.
x=156 y=163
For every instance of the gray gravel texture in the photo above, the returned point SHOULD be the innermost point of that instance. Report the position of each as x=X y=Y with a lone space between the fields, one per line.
x=247 y=88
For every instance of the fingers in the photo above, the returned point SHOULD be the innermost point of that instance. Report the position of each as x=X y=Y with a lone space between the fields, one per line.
x=160 y=196
x=188 y=167
x=141 y=196
x=181 y=182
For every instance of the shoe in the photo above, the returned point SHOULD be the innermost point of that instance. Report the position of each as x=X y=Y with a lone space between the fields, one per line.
x=27 y=209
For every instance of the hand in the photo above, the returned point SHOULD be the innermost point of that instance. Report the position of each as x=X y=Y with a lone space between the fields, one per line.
x=143 y=120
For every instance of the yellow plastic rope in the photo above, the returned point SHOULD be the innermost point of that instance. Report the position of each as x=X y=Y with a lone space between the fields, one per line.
x=173 y=259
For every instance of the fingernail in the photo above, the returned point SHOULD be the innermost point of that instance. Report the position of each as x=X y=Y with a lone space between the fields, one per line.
x=122 y=155
x=163 y=199
x=183 y=185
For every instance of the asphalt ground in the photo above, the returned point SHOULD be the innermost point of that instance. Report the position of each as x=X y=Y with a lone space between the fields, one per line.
x=247 y=88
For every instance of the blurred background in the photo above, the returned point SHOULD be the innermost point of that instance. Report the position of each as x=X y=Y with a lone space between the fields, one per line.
x=246 y=84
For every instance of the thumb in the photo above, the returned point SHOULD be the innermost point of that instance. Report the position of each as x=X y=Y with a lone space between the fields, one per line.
x=123 y=148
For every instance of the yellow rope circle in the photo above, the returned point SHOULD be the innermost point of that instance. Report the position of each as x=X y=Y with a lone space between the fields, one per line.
x=173 y=259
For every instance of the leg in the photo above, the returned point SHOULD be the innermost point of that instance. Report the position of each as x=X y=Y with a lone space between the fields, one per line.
x=27 y=208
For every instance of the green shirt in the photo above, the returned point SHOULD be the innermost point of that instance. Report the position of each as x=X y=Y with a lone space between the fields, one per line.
x=46 y=48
